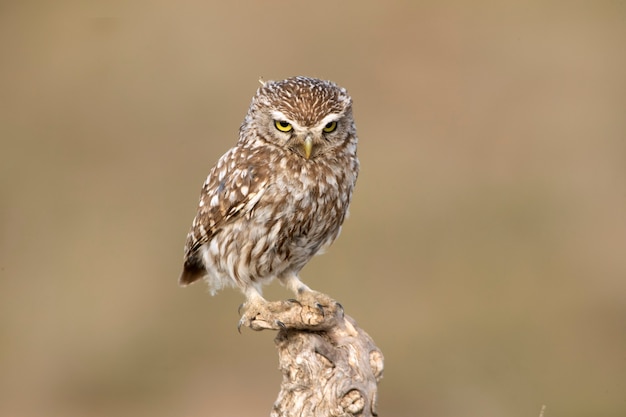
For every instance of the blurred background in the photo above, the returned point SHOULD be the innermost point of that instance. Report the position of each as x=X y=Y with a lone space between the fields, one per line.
x=486 y=248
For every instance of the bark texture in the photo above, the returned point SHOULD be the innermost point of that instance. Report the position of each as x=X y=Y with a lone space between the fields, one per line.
x=330 y=366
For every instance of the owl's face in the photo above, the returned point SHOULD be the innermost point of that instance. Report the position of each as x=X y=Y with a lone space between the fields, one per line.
x=306 y=116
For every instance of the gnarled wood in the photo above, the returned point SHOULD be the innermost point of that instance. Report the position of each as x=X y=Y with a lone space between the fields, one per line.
x=330 y=366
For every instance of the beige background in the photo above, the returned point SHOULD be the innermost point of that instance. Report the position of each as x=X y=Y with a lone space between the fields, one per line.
x=485 y=254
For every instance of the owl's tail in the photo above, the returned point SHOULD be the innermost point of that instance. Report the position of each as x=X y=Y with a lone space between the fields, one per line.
x=193 y=270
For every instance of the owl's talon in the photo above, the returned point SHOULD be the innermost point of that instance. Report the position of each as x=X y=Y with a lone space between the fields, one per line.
x=249 y=311
x=340 y=307
x=320 y=308
x=281 y=325
x=293 y=300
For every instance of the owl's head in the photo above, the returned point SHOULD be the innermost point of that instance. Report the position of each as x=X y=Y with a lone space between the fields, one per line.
x=307 y=116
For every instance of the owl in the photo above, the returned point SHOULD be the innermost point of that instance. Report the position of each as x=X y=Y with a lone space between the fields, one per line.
x=279 y=196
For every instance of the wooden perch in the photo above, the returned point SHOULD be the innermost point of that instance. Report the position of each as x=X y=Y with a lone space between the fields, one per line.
x=330 y=366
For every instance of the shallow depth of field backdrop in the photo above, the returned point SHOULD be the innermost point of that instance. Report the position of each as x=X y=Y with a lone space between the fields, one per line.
x=486 y=248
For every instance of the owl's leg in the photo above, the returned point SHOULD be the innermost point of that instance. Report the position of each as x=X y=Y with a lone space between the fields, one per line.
x=292 y=282
x=254 y=292
x=304 y=294
x=310 y=309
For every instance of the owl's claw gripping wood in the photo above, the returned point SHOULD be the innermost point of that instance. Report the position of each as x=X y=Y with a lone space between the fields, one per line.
x=285 y=315
x=320 y=308
x=340 y=307
x=316 y=299
x=254 y=306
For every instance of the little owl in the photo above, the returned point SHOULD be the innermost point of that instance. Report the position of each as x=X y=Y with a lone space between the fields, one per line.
x=280 y=195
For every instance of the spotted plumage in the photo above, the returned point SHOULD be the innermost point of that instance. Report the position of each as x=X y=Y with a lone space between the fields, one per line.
x=279 y=196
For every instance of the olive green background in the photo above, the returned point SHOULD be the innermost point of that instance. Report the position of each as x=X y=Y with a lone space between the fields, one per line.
x=486 y=248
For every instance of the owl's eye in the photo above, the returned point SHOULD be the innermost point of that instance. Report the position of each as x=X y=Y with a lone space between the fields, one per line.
x=331 y=126
x=282 y=125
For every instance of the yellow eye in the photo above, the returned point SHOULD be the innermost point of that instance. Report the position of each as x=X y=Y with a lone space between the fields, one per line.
x=330 y=127
x=283 y=126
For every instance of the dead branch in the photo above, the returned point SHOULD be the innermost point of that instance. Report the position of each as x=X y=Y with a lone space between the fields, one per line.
x=330 y=366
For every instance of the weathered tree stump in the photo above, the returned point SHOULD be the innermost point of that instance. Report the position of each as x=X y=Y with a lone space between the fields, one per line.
x=330 y=366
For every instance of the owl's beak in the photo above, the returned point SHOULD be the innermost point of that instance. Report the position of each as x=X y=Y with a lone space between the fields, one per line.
x=308 y=146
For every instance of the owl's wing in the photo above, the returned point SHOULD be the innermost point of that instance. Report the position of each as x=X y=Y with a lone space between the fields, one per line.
x=232 y=189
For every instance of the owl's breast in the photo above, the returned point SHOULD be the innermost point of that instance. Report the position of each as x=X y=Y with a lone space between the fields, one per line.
x=312 y=201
